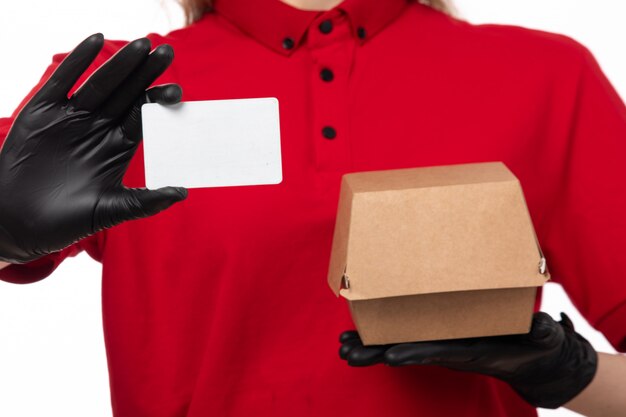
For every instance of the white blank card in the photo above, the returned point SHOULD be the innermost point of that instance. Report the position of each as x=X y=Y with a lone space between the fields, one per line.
x=213 y=143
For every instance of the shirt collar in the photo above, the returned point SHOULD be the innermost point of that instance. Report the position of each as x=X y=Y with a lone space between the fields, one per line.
x=282 y=27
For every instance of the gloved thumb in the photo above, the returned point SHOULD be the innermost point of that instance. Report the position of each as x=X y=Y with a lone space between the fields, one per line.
x=135 y=203
x=545 y=332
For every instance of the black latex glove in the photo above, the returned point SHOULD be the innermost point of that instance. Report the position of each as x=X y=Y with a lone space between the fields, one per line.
x=547 y=367
x=62 y=164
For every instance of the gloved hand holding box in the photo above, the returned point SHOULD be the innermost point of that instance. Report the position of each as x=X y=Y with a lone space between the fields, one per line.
x=436 y=253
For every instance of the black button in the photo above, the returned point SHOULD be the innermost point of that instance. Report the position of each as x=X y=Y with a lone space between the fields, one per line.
x=361 y=32
x=329 y=132
x=326 y=75
x=288 y=43
x=326 y=26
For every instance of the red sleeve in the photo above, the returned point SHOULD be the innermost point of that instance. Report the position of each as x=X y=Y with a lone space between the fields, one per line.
x=584 y=233
x=43 y=267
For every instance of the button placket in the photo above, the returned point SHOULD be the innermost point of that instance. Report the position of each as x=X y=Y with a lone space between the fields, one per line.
x=331 y=44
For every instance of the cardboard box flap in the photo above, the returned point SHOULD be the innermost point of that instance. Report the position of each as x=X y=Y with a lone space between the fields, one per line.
x=425 y=177
x=431 y=230
x=339 y=253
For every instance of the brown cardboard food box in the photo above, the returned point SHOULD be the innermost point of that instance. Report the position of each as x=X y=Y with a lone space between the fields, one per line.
x=436 y=253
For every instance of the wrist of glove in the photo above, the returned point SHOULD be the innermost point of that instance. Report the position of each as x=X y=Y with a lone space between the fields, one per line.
x=547 y=367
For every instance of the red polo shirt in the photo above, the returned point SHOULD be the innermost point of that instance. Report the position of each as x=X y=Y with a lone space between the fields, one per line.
x=219 y=305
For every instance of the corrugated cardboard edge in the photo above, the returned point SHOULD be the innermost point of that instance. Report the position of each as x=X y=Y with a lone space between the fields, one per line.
x=542 y=257
x=339 y=253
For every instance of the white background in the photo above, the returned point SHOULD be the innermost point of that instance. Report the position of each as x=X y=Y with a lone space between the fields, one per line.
x=52 y=358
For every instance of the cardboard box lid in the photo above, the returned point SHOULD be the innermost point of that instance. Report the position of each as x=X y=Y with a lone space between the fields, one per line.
x=431 y=230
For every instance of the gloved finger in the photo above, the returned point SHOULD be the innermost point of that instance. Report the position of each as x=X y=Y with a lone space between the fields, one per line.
x=71 y=68
x=135 y=203
x=566 y=322
x=436 y=353
x=366 y=355
x=163 y=94
x=347 y=346
x=348 y=335
x=545 y=331
x=102 y=83
x=135 y=85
